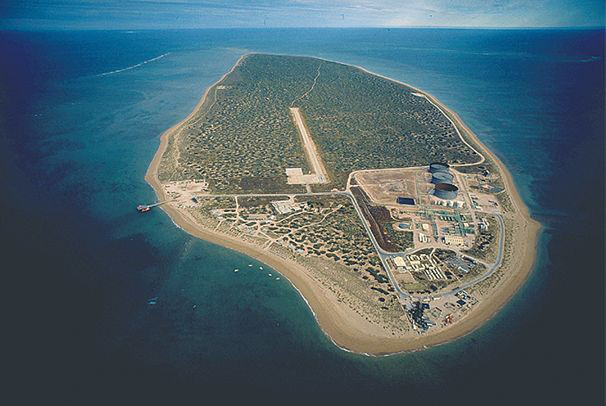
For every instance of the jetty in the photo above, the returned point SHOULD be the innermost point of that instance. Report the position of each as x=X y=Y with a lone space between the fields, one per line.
x=144 y=208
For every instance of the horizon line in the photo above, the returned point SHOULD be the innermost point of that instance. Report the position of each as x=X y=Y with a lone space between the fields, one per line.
x=444 y=27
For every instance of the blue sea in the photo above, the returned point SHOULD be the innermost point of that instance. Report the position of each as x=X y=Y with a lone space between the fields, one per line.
x=81 y=113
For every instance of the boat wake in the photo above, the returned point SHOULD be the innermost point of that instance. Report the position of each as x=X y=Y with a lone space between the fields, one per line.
x=133 y=66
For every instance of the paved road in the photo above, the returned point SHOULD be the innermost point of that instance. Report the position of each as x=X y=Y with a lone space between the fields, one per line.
x=491 y=268
x=383 y=255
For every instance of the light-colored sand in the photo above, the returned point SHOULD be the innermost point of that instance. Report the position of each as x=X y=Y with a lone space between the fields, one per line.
x=346 y=328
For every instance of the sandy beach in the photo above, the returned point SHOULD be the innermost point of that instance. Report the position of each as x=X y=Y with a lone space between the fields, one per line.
x=341 y=324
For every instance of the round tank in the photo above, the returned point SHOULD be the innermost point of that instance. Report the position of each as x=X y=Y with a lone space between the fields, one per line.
x=441 y=177
x=446 y=191
x=438 y=167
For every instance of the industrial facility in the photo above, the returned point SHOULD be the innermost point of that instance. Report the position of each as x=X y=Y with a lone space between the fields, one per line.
x=438 y=167
x=446 y=191
x=441 y=177
x=443 y=181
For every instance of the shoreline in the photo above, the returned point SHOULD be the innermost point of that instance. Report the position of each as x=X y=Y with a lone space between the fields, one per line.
x=330 y=316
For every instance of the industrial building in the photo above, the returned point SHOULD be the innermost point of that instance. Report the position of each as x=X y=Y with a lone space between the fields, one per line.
x=461 y=264
x=399 y=261
x=454 y=240
x=446 y=191
x=448 y=203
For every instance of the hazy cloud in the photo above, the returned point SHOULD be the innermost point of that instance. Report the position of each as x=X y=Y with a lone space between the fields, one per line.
x=299 y=13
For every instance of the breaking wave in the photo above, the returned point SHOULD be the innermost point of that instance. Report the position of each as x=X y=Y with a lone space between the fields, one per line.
x=133 y=66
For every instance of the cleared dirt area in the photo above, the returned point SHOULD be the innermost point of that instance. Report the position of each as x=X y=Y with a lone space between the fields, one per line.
x=184 y=193
x=384 y=186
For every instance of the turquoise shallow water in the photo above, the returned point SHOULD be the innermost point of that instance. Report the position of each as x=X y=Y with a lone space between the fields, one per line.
x=77 y=140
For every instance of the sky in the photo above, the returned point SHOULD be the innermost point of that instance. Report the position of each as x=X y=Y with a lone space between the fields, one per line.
x=164 y=14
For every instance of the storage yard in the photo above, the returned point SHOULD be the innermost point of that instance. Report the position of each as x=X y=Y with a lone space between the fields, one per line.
x=451 y=237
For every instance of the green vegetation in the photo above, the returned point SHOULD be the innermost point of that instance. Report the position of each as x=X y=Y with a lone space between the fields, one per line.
x=243 y=138
x=362 y=121
x=486 y=242
x=331 y=228
x=381 y=224
x=207 y=205
x=324 y=232
x=257 y=201
x=401 y=239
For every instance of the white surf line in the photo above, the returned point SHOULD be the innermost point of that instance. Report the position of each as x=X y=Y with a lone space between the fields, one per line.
x=133 y=66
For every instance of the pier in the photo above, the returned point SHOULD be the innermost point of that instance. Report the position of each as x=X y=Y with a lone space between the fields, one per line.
x=144 y=208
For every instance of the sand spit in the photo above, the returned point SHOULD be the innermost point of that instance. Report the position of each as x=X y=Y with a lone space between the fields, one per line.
x=342 y=325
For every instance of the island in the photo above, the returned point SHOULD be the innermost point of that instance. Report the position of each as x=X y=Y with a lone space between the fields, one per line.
x=399 y=228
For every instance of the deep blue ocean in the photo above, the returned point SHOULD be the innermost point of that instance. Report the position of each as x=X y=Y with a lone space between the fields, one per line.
x=80 y=119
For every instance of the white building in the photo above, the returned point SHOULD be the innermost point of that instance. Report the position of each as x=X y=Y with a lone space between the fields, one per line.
x=454 y=240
